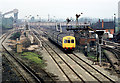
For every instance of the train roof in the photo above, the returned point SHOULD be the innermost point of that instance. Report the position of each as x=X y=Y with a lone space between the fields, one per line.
x=67 y=36
x=60 y=33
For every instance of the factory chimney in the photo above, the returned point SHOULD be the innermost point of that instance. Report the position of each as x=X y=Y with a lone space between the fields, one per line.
x=102 y=23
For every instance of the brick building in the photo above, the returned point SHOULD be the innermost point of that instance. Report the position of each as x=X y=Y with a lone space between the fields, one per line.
x=108 y=26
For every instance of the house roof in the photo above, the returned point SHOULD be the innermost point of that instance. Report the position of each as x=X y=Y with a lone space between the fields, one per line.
x=107 y=25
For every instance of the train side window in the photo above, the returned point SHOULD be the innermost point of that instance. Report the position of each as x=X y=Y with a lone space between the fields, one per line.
x=65 y=41
x=72 y=41
x=68 y=41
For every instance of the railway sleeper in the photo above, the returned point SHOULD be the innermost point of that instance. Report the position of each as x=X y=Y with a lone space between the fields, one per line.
x=118 y=71
x=117 y=68
x=116 y=63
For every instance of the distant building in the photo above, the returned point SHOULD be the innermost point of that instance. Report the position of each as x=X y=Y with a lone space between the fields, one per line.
x=32 y=19
x=108 y=26
x=7 y=23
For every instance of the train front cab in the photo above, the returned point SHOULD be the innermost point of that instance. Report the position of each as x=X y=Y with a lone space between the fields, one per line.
x=69 y=43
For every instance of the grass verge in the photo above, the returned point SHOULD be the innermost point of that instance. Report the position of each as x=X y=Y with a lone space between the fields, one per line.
x=33 y=58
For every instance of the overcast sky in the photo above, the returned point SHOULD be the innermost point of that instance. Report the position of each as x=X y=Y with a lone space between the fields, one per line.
x=61 y=8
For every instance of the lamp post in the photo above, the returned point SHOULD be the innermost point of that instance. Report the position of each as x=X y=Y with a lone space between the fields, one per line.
x=28 y=19
x=38 y=21
x=48 y=17
x=38 y=17
x=114 y=23
x=25 y=21
x=54 y=19
x=54 y=22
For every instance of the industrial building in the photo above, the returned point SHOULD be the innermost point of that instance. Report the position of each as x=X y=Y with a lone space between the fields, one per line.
x=7 y=23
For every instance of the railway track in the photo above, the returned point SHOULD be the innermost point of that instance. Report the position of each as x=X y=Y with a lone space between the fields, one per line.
x=96 y=74
x=10 y=62
x=115 y=49
x=115 y=63
x=7 y=58
x=64 y=67
x=27 y=74
x=89 y=68
x=112 y=43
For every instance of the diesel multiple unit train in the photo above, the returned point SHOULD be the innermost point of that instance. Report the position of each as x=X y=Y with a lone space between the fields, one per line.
x=65 y=40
